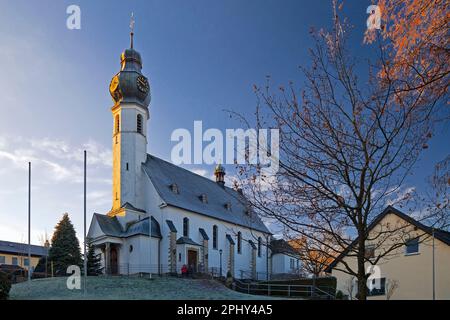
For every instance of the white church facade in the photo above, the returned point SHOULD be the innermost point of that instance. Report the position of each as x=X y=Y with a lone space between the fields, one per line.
x=195 y=221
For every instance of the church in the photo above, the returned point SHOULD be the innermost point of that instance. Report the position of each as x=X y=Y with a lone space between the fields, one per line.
x=164 y=217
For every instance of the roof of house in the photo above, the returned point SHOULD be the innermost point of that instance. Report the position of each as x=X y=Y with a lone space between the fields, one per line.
x=203 y=233
x=128 y=205
x=281 y=246
x=190 y=188
x=141 y=228
x=187 y=240
x=439 y=234
x=22 y=248
x=171 y=226
x=230 y=239
x=110 y=226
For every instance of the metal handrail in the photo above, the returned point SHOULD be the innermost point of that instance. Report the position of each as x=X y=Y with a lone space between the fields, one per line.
x=289 y=289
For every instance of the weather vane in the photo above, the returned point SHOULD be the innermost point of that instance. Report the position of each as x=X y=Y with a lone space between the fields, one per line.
x=132 y=29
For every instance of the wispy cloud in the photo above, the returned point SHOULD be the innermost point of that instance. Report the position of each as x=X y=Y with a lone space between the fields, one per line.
x=57 y=160
x=98 y=154
x=200 y=172
x=400 y=196
x=56 y=183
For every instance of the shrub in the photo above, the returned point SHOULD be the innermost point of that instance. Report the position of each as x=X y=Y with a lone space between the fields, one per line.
x=339 y=295
x=5 y=286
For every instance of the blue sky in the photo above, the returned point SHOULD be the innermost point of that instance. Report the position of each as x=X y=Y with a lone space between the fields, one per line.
x=201 y=57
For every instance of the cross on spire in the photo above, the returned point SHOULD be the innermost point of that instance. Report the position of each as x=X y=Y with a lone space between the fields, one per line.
x=131 y=29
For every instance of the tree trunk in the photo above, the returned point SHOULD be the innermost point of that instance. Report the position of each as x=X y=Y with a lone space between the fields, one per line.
x=362 y=286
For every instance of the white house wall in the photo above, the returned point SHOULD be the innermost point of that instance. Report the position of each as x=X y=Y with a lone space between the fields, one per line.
x=196 y=221
x=281 y=264
x=278 y=263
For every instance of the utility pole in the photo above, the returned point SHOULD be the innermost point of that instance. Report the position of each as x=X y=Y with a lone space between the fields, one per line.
x=434 y=271
x=85 y=255
x=29 y=222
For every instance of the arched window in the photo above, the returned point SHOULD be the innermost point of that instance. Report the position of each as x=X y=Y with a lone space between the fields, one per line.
x=214 y=237
x=139 y=123
x=185 y=227
x=117 y=124
x=259 y=246
x=239 y=242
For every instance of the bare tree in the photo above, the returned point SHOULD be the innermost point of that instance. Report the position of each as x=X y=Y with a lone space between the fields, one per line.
x=348 y=141
x=439 y=196
x=315 y=257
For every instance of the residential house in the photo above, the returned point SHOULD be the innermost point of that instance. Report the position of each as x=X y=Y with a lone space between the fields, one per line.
x=418 y=267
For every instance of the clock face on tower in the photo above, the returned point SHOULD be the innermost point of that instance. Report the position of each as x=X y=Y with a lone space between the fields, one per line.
x=114 y=84
x=142 y=84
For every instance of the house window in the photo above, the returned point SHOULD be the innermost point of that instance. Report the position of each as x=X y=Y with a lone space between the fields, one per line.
x=117 y=124
x=139 y=123
x=377 y=287
x=186 y=227
x=2 y=259
x=174 y=188
x=259 y=246
x=26 y=262
x=412 y=246
x=292 y=263
x=214 y=237
x=370 y=252
x=127 y=166
x=15 y=262
x=239 y=242
x=204 y=198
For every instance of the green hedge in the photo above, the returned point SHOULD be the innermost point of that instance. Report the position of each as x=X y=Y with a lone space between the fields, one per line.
x=320 y=282
x=5 y=286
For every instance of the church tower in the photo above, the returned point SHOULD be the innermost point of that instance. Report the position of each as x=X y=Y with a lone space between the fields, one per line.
x=130 y=91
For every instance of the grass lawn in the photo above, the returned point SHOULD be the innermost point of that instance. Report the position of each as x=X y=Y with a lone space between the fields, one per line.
x=129 y=288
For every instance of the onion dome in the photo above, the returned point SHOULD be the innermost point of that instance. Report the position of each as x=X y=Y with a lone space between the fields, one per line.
x=129 y=85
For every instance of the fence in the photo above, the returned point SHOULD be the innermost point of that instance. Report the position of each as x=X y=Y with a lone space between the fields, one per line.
x=129 y=269
x=249 y=275
x=283 y=290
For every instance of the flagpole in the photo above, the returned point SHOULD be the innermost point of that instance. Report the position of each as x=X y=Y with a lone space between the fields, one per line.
x=434 y=270
x=85 y=256
x=29 y=221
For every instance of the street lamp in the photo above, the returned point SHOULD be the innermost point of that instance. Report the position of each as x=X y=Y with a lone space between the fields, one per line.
x=220 y=252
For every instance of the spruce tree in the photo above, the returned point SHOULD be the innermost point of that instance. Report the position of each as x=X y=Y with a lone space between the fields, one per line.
x=65 y=250
x=93 y=260
x=41 y=269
